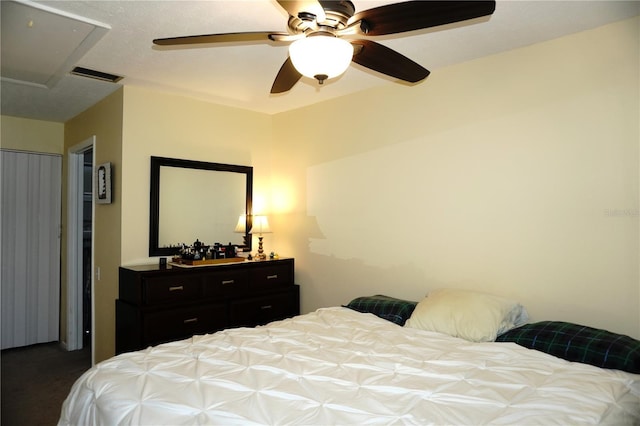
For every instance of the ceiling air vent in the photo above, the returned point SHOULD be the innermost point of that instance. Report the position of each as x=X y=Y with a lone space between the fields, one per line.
x=98 y=75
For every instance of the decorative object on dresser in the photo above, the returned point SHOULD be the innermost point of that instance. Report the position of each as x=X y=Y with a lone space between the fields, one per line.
x=200 y=254
x=159 y=305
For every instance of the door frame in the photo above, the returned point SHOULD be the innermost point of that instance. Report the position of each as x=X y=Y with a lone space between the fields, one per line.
x=75 y=196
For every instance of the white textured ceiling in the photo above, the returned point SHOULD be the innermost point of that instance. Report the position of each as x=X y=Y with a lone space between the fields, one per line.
x=241 y=75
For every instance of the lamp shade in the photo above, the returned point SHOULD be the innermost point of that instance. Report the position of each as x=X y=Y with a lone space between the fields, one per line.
x=321 y=56
x=260 y=225
x=241 y=226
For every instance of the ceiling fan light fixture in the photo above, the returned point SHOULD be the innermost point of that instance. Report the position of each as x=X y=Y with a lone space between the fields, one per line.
x=321 y=56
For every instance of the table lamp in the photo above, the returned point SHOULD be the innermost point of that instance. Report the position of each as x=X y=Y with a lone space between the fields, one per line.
x=260 y=226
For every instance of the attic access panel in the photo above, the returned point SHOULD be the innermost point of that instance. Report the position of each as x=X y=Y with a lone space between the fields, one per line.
x=41 y=44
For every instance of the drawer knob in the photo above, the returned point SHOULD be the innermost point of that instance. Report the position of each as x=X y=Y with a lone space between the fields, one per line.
x=225 y=282
x=190 y=320
x=265 y=307
x=176 y=288
x=272 y=277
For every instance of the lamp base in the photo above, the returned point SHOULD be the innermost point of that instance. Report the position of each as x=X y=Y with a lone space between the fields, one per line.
x=261 y=255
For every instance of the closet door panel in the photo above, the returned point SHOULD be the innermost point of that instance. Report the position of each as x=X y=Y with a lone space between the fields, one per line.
x=30 y=276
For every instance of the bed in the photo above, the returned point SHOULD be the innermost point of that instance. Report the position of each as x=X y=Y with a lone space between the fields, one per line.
x=363 y=363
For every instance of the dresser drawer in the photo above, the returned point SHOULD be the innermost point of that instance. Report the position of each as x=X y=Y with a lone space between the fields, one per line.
x=171 y=289
x=261 y=310
x=226 y=283
x=164 y=326
x=270 y=277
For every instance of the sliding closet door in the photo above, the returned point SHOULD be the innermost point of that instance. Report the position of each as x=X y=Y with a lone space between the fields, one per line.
x=30 y=256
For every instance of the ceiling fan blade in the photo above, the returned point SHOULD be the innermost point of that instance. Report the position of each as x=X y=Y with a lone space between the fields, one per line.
x=414 y=15
x=218 y=38
x=287 y=77
x=294 y=7
x=387 y=61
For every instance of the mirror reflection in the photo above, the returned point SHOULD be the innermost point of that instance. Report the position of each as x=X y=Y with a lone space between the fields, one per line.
x=199 y=204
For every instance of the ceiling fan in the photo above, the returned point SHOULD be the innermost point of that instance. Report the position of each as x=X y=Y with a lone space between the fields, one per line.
x=316 y=28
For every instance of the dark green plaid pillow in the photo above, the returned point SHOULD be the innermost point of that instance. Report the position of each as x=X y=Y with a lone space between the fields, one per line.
x=578 y=343
x=394 y=310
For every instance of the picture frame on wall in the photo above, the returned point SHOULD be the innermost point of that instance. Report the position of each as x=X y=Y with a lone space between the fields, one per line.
x=103 y=183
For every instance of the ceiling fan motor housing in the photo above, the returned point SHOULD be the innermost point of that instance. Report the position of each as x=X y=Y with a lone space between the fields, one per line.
x=337 y=13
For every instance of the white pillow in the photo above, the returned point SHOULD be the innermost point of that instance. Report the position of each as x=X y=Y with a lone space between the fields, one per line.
x=471 y=315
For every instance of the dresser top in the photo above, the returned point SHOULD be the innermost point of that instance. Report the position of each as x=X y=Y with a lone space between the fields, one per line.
x=156 y=267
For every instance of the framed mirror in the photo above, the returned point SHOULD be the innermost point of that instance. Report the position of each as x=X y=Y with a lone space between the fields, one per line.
x=197 y=200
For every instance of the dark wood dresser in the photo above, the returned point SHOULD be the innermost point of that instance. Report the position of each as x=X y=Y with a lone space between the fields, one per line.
x=158 y=305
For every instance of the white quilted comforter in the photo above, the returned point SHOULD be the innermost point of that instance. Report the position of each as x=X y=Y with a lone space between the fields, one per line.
x=338 y=366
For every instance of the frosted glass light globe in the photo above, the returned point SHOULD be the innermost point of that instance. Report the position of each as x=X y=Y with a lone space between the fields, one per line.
x=321 y=57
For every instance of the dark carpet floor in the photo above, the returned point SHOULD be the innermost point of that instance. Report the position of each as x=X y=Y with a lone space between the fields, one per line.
x=36 y=380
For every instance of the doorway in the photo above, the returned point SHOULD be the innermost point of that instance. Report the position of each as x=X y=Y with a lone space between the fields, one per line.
x=80 y=231
x=87 y=243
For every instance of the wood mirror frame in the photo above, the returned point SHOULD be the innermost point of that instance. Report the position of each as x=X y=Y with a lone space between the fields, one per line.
x=154 y=209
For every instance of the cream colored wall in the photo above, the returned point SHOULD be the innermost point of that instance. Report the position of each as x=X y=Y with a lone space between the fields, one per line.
x=104 y=120
x=515 y=174
x=31 y=135
x=158 y=124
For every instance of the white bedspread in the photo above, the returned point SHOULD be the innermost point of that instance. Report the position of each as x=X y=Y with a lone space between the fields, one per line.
x=338 y=366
